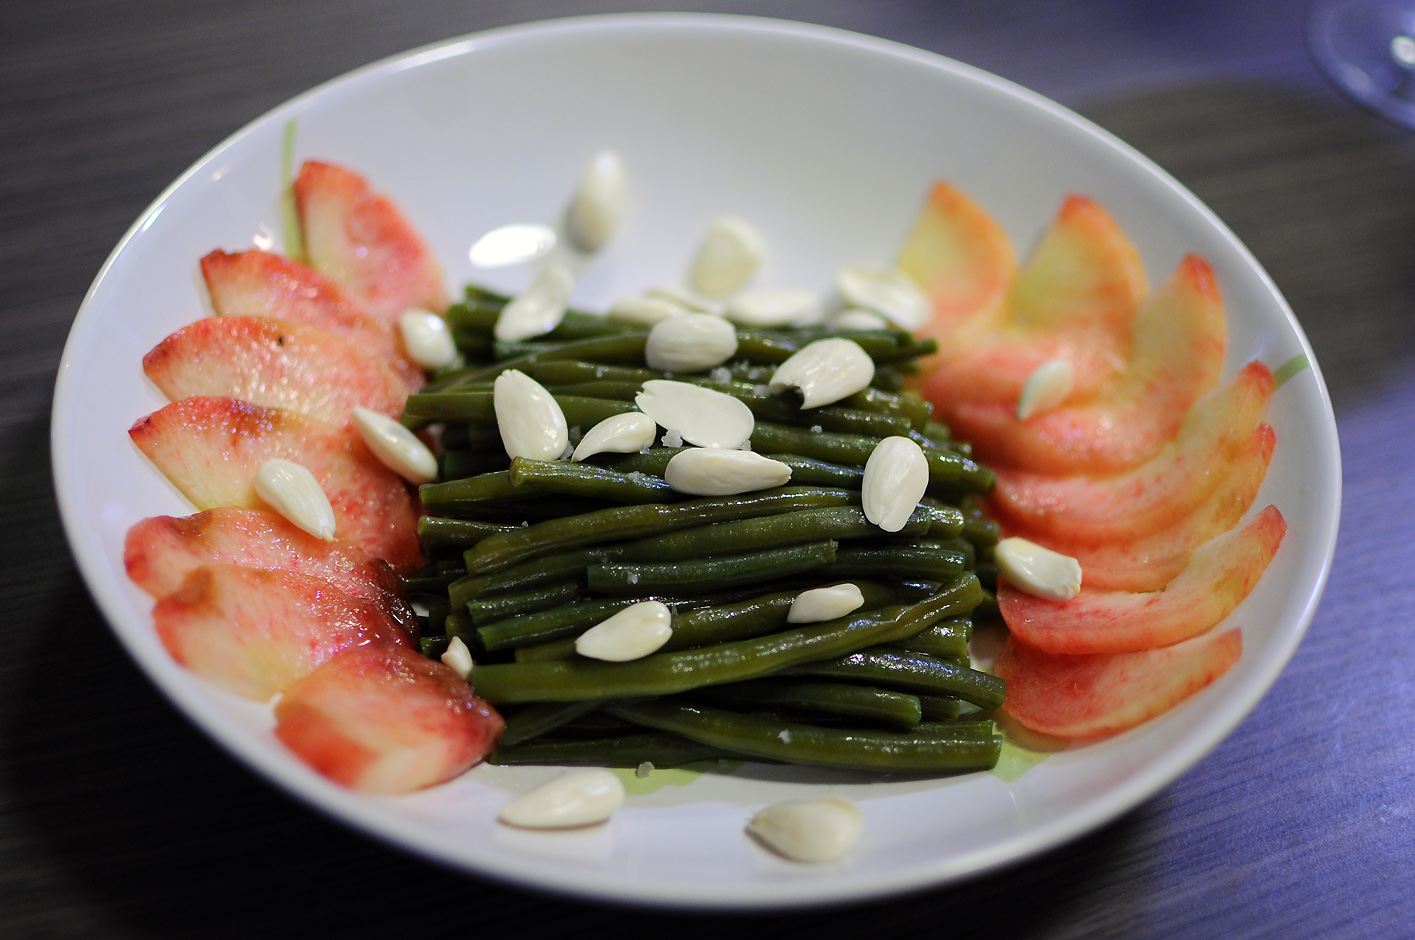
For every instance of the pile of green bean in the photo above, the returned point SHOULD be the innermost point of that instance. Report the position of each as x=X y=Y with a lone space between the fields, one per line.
x=526 y=555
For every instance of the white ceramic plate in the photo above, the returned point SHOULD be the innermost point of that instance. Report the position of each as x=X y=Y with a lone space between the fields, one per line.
x=826 y=140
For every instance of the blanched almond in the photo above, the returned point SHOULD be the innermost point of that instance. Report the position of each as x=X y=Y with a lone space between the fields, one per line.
x=633 y=633
x=426 y=338
x=717 y=471
x=539 y=308
x=598 y=206
x=458 y=658
x=896 y=476
x=699 y=415
x=825 y=371
x=642 y=310
x=291 y=490
x=686 y=298
x=777 y=307
x=809 y=830
x=579 y=798
x=858 y=318
x=396 y=447
x=890 y=293
x=825 y=603
x=531 y=422
x=693 y=342
x=730 y=253
x=618 y=434
x=1036 y=570
x=1046 y=388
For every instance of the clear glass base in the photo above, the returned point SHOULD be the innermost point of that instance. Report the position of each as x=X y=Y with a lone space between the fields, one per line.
x=1367 y=47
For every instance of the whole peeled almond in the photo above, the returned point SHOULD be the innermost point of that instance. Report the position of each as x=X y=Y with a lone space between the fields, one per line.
x=395 y=446
x=598 y=205
x=768 y=308
x=896 y=476
x=633 y=633
x=692 y=342
x=579 y=798
x=858 y=318
x=426 y=338
x=730 y=253
x=530 y=420
x=718 y=471
x=1046 y=388
x=825 y=603
x=890 y=293
x=539 y=308
x=617 y=434
x=699 y=415
x=1029 y=567
x=809 y=830
x=642 y=310
x=825 y=371
x=291 y=490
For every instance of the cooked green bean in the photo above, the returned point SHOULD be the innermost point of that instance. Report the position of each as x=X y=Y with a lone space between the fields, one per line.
x=946 y=639
x=582 y=479
x=890 y=751
x=911 y=672
x=437 y=530
x=532 y=721
x=626 y=522
x=923 y=560
x=832 y=698
x=455 y=464
x=625 y=349
x=938 y=707
x=656 y=747
x=687 y=577
x=477 y=407
x=666 y=673
x=488 y=610
x=944 y=466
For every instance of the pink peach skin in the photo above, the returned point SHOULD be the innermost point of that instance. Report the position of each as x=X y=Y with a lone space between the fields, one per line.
x=1176 y=357
x=1095 y=510
x=211 y=448
x=255 y=632
x=1076 y=299
x=362 y=241
x=260 y=284
x=382 y=719
x=276 y=364
x=1220 y=574
x=161 y=551
x=1094 y=695
x=1151 y=560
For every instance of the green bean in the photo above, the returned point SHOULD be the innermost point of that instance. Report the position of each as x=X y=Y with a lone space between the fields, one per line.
x=456 y=464
x=656 y=748
x=938 y=707
x=581 y=479
x=946 y=639
x=889 y=751
x=627 y=348
x=437 y=530
x=567 y=621
x=488 y=610
x=944 y=466
x=459 y=623
x=832 y=698
x=804 y=470
x=477 y=406
x=433 y=646
x=532 y=721
x=625 y=522
x=666 y=673
x=706 y=573
x=458 y=435
x=485 y=487
x=926 y=560
x=912 y=672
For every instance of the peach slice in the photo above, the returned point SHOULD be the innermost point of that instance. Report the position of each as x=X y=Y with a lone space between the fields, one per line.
x=275 y=364
x=161 y=551
x=1089 y=511
x=211 y=448
x=256 y=632
x=961 y=258
x=1151 y=560
x=1176 y=357
x=1220 y=573
x=1075 y=299
x=361 y=240
x=1101 y=694
x=382 y=719
x=260 y=284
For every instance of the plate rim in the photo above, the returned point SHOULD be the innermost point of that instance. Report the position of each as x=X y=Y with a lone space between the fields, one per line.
x=206 y=712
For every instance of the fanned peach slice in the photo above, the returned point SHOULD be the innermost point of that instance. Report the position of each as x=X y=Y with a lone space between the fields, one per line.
x=382 y=719
x=274 y=363
x=260 y=284
x=361 y=240
x=211 y=448
x=1075 y=299
x=161 y=551
x=1176 y=357
x=961 y=258
x=256 y=632
x=1086 y=511
x=1151 y=560
x=1220 y=573
x=1101 y=694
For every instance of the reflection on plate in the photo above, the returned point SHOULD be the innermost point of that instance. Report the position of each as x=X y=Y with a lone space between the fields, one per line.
x=828 y=141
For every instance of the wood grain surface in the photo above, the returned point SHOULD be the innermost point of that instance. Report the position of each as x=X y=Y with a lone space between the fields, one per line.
x=118 y=819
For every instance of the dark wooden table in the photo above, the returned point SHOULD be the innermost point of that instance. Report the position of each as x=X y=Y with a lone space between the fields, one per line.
x=119 y=819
